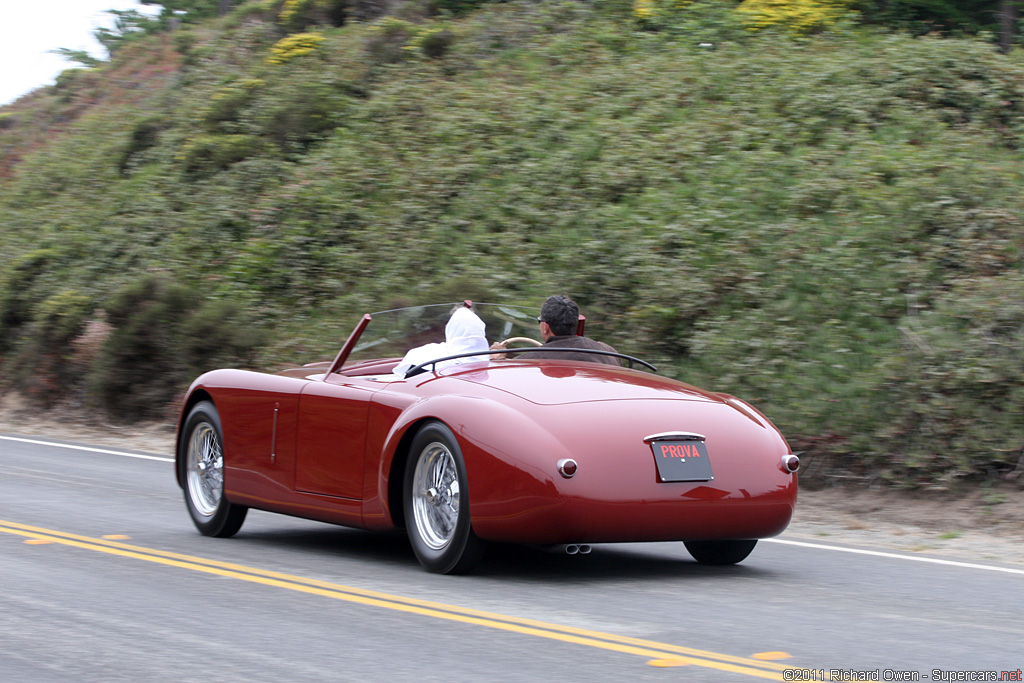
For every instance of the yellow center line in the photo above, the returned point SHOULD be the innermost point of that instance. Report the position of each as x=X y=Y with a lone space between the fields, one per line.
x=568 y=634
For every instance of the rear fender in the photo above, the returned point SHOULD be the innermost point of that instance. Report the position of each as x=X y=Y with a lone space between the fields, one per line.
x=499 y=446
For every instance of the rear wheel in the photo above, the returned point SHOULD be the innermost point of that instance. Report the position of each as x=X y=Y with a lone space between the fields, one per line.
x=202 y=457
x=720 y=552
x=437 y=503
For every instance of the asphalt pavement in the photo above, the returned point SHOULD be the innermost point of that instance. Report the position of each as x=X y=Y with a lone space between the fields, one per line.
x=104 y=578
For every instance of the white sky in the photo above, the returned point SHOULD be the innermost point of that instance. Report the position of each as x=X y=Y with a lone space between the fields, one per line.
x=29 y=28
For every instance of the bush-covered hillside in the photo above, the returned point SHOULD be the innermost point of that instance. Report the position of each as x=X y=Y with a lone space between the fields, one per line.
x=830 y=225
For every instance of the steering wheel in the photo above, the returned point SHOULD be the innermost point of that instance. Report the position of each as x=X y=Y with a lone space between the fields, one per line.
x=525 y=340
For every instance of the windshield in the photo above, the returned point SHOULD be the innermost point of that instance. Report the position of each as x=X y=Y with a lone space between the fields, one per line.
x=390 y=334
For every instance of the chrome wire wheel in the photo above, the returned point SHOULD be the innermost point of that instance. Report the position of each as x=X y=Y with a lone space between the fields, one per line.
x=435 y=503
x=436 y=496
x=205 y=469
x=201 y=468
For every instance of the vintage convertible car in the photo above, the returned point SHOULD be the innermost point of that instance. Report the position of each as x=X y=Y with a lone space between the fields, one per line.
x=565 y=453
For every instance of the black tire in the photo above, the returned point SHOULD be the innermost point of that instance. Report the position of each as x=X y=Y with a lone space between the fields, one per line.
x=720 y=552
x=436 y=497
x=201 y=458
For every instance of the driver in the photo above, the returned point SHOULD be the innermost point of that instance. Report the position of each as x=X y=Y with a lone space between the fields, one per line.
x=558 y=320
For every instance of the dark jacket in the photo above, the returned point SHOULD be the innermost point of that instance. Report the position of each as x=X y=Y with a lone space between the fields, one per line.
x=571 y=341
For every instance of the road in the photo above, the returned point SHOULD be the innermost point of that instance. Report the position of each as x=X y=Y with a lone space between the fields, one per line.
x=104 y=578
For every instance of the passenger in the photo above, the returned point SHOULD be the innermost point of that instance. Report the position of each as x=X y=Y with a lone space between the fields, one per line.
x=464 y=333
x=559 y=317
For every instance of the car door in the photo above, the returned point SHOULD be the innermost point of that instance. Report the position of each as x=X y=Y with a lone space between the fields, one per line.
x=331 y=445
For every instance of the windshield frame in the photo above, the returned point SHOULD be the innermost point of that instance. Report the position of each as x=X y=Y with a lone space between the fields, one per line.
x=394 y=331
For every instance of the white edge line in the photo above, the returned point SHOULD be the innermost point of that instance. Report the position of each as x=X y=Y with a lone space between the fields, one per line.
x=87 y=448
x=897 y=556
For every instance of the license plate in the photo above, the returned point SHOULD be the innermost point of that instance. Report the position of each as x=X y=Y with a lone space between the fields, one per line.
x=682 y=460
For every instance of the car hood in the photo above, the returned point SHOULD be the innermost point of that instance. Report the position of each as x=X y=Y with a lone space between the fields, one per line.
x=559 y=382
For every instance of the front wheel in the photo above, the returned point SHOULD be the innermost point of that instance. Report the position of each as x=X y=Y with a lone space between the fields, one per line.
x=720 y=552
x=201 y=454
x=437 y=503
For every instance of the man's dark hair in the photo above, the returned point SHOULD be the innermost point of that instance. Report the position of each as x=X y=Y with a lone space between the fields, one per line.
x=561 y=313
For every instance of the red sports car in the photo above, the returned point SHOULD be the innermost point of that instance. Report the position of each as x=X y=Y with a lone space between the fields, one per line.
x=474 y=447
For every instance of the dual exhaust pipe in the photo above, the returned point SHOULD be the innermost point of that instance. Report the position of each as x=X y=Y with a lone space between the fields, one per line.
x=572 y=549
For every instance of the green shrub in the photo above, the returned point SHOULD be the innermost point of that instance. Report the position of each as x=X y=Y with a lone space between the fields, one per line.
x=297 y=110
x=68 y=79
x=162 y=335
x=392 y=40
x=42 y=365
x=701 y=21
x=956 y=388
x=184 y=41
x=217 y=334
x=20 y=293
x=957 y=17
x=297 y=15
x=75 y=83
x=144 y=136
x=433 y=42
x=60 y=319
x=389 y=40
x=227 y=104
x=457 y=7
x=255 y=10
x=204 y=155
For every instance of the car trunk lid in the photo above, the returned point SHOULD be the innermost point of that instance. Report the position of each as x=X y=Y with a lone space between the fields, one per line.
x=559 y=382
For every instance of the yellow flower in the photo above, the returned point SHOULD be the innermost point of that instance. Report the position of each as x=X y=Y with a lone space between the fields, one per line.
x=288 y=10
x=293 y=46
x=799 y=16
x=643 y=9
